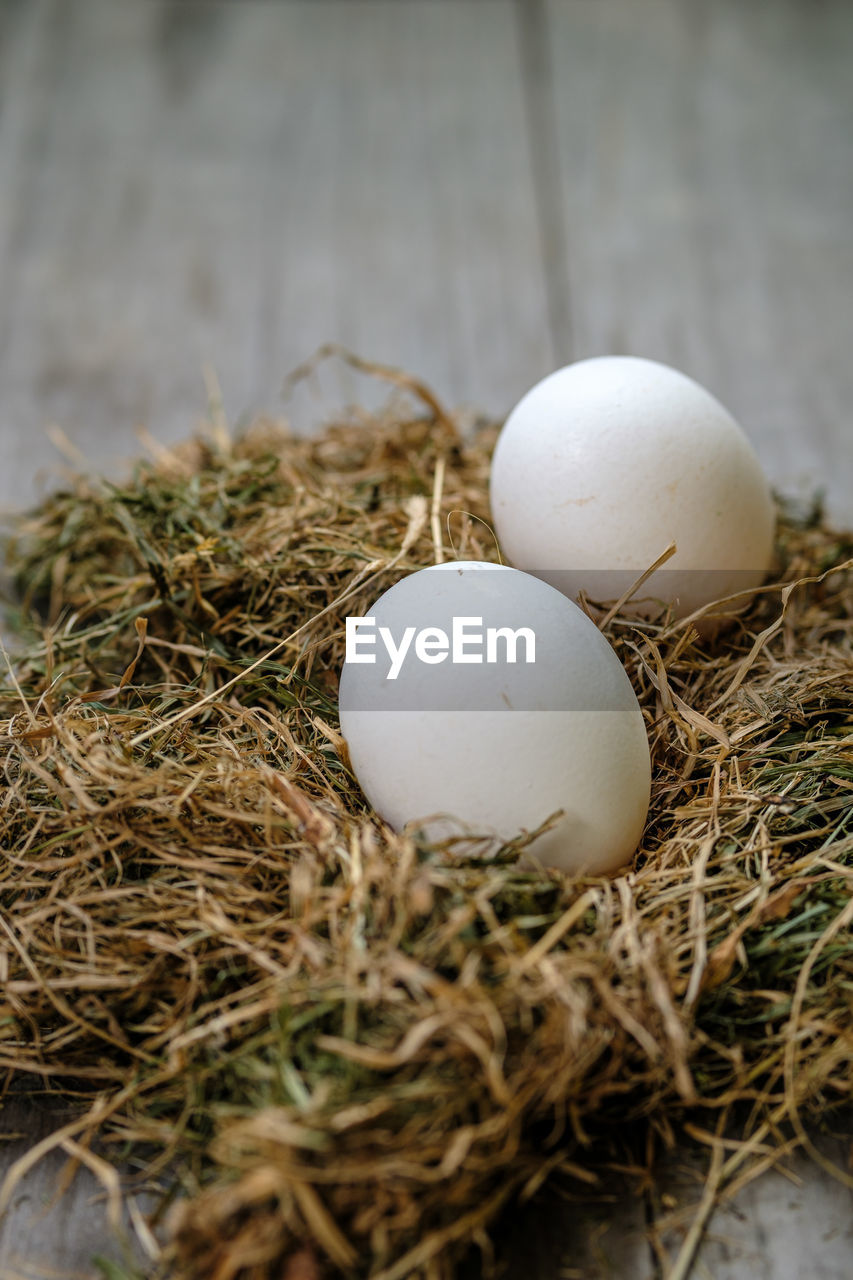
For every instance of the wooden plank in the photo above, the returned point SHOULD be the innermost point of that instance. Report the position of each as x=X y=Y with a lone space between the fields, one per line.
x=182 y=183
x=793 y=1221
x=706 y=162
x=412 y=201
x=48 y=1236
x=704 y=195
x=235 y=184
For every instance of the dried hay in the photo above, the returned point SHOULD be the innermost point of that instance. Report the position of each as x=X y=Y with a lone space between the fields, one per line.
x=355 y=1048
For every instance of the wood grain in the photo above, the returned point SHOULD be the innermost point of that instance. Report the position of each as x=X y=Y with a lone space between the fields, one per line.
x=235 y=184
x=793 y=1221
x=706 y=161
x=50 y=1232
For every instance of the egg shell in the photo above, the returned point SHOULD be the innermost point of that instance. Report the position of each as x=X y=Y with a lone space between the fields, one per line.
x=606 y=462
x=494 y=749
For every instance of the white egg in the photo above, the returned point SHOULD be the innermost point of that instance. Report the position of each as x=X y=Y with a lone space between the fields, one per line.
x=477 y=699
x=606 y=462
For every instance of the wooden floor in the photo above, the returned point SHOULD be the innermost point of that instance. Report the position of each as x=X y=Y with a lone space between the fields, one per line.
x=477 y=190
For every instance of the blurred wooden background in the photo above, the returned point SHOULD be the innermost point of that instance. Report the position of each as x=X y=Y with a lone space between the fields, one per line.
x=478 y=191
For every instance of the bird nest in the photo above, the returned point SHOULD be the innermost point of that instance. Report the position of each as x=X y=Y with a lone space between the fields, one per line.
x=350 y=1048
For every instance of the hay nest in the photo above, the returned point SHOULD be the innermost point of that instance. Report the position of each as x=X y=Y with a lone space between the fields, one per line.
x=350 y=1046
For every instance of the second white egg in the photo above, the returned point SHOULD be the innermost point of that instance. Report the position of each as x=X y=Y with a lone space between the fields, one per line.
x=605 y=463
